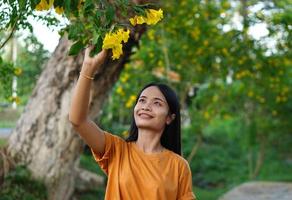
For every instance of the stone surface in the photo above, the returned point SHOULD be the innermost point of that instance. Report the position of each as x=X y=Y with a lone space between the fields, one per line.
x=87 y=181
x=260 y=191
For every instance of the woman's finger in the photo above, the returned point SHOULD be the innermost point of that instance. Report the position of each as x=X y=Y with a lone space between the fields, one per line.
x=88 y=50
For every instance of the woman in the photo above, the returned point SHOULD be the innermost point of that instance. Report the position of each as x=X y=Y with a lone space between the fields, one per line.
x=147 y=165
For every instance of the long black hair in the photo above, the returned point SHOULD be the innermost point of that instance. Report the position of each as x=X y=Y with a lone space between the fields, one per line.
x=171 y=136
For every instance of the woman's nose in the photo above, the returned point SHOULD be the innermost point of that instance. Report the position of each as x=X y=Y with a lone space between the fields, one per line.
x=146 y=106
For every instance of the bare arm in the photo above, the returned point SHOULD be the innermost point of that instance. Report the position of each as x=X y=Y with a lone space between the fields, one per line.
x=78 y=114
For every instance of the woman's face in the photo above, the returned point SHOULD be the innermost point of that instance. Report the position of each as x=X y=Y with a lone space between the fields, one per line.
x=151 y=110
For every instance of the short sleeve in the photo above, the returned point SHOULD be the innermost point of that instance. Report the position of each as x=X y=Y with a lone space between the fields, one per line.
x=185 y=189
x=112 y=148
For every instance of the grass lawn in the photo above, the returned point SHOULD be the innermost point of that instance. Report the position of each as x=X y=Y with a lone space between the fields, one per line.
x=9 y=117
x=205 y=194
x=3 y=142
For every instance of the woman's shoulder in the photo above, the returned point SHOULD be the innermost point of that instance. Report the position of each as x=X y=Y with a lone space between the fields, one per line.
x=178 y=159
x=113 y=136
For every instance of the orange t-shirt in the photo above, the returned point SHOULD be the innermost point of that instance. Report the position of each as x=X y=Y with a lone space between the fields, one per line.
x=135 y=175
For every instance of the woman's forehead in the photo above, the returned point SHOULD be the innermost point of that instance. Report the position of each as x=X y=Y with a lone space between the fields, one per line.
x=152 y=92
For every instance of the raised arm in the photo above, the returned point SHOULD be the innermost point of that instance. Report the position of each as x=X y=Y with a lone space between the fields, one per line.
x=78 y=114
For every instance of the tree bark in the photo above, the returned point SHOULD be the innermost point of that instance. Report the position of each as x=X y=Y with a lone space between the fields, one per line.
x=44 y=139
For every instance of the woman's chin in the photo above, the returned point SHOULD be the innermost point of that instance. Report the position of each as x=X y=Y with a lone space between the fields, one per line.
x=145 y=125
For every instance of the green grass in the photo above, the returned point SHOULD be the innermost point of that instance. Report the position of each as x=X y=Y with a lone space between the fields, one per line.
x=18 y=184
x=7 y=124
x=9 y=117
x=92 y=195
x=87 y=162
x=212 y=194
x=3 y=142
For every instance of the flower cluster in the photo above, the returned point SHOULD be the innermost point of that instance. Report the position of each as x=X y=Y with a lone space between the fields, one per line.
x=151 y=18
x=114 y=41
x=131 y=101
x=44 y=5
x=17 y=71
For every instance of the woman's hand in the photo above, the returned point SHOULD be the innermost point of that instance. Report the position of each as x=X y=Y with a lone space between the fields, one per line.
x=92 y=64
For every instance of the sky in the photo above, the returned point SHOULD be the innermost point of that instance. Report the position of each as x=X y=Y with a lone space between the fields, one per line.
x=48 y=37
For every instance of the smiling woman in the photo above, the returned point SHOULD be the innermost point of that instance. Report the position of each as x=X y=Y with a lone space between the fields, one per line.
x=148 y=164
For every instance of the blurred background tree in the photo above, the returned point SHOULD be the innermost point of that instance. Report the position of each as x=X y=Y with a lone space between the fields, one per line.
x=233 y=86
x=230 y=63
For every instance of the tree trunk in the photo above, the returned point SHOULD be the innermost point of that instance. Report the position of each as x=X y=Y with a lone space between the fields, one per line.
x=44 y=139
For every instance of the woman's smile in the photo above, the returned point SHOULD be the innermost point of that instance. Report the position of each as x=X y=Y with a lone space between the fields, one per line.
x=145 y=116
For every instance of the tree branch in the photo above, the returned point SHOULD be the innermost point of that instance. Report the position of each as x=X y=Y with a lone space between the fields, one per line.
x=11 y=33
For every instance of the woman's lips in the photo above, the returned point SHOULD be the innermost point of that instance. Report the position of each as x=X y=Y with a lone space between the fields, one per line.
x=145 y=116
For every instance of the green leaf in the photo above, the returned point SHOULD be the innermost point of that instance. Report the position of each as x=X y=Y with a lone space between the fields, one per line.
x=76 y=48
x=110 y=14
x=59 y=3
x=97 y=42
x=22 y=4
x=74 y=5
x=139 y=11
x=67 y=7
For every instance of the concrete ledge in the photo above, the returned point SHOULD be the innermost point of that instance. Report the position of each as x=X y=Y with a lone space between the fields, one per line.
x=260 y=191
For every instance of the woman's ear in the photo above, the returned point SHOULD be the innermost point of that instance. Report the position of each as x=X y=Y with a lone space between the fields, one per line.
x=170 y=118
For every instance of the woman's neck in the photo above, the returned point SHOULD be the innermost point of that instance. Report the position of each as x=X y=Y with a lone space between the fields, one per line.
x=149 y=141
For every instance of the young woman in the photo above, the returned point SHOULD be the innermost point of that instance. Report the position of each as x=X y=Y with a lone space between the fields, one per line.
x=148 y=164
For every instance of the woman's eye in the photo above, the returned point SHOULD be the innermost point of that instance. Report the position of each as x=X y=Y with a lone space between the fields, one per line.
x=141 y=100
x=157 y=103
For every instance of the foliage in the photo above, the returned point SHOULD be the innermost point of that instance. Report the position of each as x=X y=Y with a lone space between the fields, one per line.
x=29 y=63
x=3 y=142
x=19 y=185
x=89 y=21
x=31 y=59
x=98 y=23
x=234 y=89
x=225 y=78
x=87 y=162
x=6 y=68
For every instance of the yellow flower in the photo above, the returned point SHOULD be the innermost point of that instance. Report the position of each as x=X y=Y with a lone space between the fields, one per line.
x=125 y=133
x=274 y=112
x=206 y=115
x=250 y=93
x=215 y=98
x=225 y=52
x=278 y=99
x=205 y=42
x=123 y=35
x=131 y=101
x=150 y=34
x=44 y=5
x=114 y=41
x=138 y=20
x=226 y=116
x=196 y=33
x=14 y=99
x=59 y=10
x=117 y=51
x=120 y=91
x=17 y=71
x=262 y=99
x=125 y=77
x=152 y=17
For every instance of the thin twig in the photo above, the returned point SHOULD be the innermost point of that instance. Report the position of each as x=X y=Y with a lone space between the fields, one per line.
x=10 y=35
